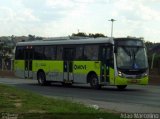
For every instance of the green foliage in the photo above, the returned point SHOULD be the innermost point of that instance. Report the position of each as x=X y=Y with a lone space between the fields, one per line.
x=82 y=34
x=96 y=35
x=150 y=51
x=5 y=50
x=156 y=62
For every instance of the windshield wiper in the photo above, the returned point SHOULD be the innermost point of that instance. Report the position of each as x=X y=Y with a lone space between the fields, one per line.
x=131 y=52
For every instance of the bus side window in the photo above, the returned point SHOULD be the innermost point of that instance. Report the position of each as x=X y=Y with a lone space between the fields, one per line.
x=38 y=53
x=50 y=52
x=91 y=52
x=69 y=53
x=79 y=53
x=59 y=52
x=19 y=53
x=109 y=55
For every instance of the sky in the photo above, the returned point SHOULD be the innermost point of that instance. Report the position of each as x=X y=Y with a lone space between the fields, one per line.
x=55 y=18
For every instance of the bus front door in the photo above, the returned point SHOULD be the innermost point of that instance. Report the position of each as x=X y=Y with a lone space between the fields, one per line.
x=28 y=63
x=68 y=56
x=106 y=58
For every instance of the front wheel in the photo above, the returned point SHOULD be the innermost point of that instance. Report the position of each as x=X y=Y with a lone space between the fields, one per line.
x=121 y=87
x=94 y=82
x=41 y=78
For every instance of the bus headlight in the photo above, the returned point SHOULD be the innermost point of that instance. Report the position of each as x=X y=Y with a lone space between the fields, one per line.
x=145 y=74
x=120 y=74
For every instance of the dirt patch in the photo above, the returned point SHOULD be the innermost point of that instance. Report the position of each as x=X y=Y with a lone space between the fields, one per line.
x=36 y=111
x=154 y=77
x=7 y=73
x=18 y=105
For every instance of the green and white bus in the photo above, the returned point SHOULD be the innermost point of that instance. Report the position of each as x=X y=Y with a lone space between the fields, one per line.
x=97 y=61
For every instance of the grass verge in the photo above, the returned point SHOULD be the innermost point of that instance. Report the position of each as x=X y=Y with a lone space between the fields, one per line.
x=19 y=104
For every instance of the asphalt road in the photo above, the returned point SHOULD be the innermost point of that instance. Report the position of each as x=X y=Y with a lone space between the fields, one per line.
x=135 y=99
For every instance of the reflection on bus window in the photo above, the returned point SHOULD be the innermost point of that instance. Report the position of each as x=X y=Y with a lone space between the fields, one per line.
x=91 y=52
x=50 y=52
x=59 y=52
x=79 y=52
x=38 y=52
x=131 y=58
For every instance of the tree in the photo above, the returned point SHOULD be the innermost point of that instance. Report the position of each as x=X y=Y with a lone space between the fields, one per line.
x=96 y=35
x=81 y=34
x=4 y=54
x=149 y=44
x=31 y=37
x=6 y=50
x=39 y=38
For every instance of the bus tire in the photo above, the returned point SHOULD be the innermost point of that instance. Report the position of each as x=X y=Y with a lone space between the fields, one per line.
x=41 y=78
x=94 y=82
x=121 y=87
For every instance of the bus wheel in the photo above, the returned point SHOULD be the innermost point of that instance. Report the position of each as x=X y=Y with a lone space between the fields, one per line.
x=94 y=82
x=121 y=87
x=41 y=78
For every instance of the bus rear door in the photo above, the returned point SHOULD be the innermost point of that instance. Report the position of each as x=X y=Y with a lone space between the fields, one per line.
x=68 y=56
x=28 y=63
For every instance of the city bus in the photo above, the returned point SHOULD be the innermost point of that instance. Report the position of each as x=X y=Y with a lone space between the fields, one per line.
x=95 y=61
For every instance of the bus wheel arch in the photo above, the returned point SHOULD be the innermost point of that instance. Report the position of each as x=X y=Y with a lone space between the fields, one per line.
x=41 y=77
x=92 y=78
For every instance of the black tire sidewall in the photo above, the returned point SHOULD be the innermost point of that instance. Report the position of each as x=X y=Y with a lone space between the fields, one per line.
x=94 y=82
x=41 y=78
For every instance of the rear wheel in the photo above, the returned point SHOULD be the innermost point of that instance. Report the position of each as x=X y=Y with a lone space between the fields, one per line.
x=94 y=82
x=41 y=78
x=121 y=87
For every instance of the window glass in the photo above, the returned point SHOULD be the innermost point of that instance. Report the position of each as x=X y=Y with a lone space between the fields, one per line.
x=59 y=52
x=38 y=53
x=19 y=53
x=50 y=52
x=69 y=54
x=91 y=52
x=131 y=58
x=79 y=53
x=129 y=42
x=106 y=54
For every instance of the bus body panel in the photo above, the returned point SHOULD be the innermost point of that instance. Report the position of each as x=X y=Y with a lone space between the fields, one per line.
x=19 y=68
x=125 y=81
x=53 y=69
x=111 y=76
x=144 y=81
x=82 y=68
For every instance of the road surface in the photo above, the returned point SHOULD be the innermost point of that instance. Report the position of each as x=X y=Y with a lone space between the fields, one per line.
x=135 y=99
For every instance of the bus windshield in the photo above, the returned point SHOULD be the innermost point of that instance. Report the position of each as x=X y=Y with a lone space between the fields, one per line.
x=132 y=58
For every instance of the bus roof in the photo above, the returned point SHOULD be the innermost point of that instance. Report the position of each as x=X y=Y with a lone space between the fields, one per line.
x=67 y=41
